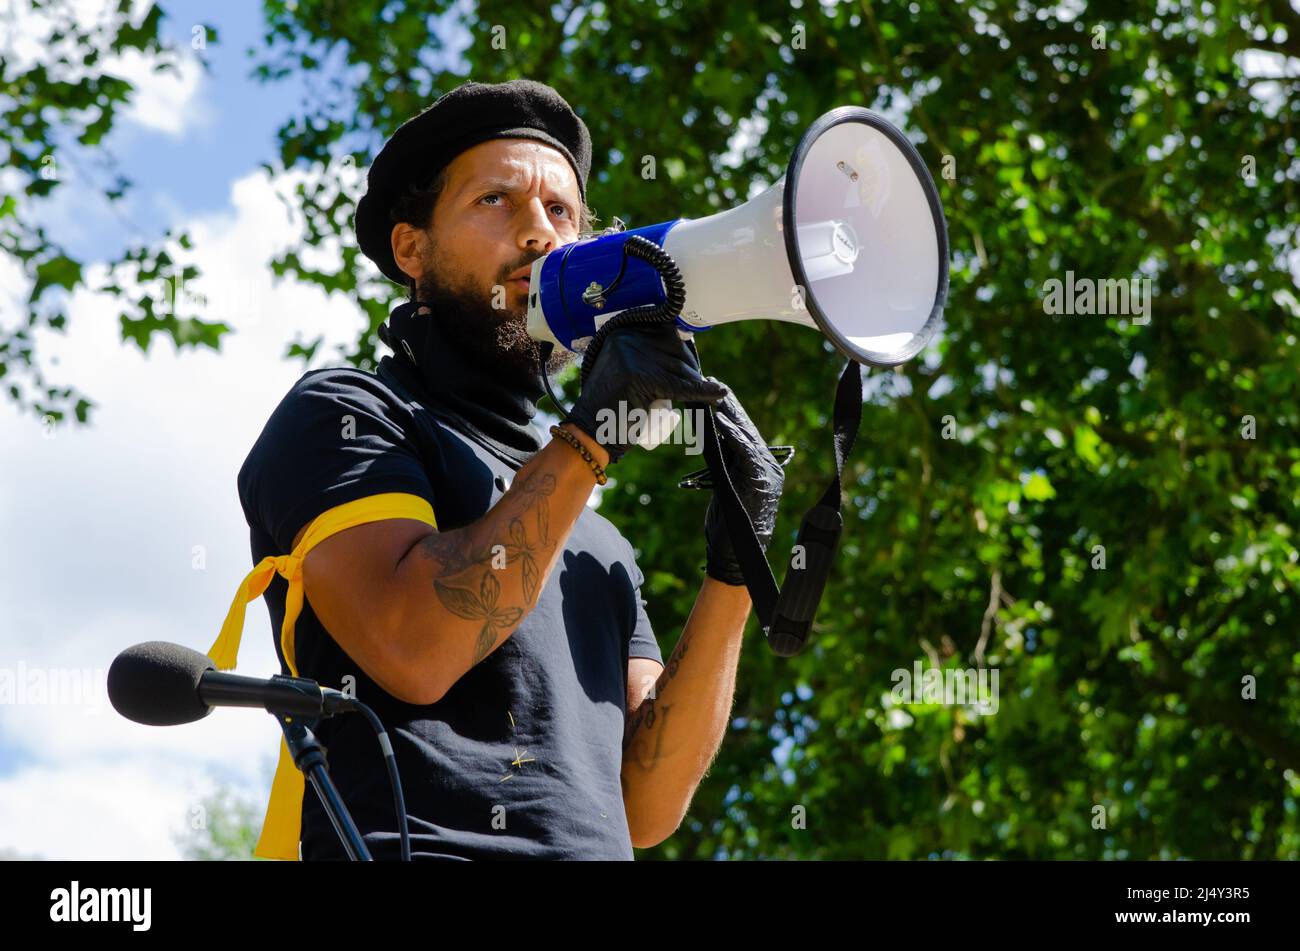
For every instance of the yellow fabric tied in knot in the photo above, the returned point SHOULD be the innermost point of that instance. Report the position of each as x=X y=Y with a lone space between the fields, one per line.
x=282 y=826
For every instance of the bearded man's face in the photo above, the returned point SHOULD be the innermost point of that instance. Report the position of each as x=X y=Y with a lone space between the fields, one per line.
x=486 y=324
x=505 y=203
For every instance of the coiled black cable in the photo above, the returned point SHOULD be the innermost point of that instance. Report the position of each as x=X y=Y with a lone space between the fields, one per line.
x=665 y=311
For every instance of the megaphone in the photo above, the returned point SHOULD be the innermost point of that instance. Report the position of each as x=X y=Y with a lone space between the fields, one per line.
x=850 y=241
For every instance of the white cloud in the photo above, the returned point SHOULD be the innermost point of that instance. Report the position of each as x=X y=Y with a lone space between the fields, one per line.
x=93 y=810
x=165 y=101
x=100 y=526
x=168 y=102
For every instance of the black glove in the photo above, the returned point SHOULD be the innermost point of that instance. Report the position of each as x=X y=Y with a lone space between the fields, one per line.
x=638 y=364
x=758 y=479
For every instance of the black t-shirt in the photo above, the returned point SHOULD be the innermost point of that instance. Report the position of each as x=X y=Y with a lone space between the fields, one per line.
x=521 y=757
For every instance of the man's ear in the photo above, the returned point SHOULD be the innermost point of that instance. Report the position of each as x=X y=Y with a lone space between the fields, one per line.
x=408 y=244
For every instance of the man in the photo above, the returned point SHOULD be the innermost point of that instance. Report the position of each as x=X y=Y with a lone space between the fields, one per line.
x=438 y=559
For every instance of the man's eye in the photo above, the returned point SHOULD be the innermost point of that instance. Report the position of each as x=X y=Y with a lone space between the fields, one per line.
x=491 y=195
x=563 y=208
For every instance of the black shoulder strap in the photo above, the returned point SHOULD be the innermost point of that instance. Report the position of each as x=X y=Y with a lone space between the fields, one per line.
x=787 y=614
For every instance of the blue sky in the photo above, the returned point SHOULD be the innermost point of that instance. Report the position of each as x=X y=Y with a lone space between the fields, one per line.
x=229 y=131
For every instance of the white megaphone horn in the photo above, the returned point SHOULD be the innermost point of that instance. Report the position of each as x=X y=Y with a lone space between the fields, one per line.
x=851 y=241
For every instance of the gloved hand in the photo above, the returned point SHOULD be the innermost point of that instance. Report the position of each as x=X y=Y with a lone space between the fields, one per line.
x=759 y=480
x=638 y=364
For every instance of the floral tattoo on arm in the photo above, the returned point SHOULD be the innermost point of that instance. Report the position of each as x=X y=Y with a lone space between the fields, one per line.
x=466 y=582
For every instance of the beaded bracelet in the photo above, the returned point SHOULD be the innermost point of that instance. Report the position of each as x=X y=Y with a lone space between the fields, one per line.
x=573 y=441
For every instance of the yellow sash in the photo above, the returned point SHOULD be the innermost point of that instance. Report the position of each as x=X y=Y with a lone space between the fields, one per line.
x=282 y=825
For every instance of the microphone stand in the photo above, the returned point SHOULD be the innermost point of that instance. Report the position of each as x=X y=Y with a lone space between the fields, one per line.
x=309 y=757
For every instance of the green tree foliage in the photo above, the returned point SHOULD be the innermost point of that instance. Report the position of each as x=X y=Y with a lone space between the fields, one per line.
x=55 y=115
x=228 y=832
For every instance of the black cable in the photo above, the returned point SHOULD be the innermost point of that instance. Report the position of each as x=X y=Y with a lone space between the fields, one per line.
x=546 y=349
x=618 y=278
x=394 y=780
x=663 y=312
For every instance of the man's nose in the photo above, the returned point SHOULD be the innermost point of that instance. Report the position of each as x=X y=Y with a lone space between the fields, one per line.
x=535 y=229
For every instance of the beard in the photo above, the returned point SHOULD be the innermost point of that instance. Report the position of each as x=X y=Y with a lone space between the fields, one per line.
x=496 y=340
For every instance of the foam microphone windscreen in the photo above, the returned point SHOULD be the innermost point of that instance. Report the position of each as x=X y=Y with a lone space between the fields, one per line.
x=157 y=684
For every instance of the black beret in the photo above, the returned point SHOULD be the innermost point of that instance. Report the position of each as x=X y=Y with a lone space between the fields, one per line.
x=469 y=114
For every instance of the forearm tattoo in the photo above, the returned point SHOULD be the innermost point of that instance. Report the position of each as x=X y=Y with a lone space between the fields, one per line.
x=652 y=714
x=466 y=580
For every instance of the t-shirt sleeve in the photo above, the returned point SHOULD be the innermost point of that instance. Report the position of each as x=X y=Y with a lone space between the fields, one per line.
x=643 y=642
x=337 y=436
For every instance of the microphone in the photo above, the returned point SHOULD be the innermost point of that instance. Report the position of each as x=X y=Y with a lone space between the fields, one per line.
x=161 y=684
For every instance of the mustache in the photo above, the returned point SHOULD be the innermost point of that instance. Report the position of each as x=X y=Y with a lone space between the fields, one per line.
x=525 y=261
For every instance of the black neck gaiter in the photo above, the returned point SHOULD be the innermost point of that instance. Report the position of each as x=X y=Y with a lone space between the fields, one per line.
x=495 y=411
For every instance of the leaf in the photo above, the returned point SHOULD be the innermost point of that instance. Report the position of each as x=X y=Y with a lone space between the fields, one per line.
x=1086 y=443
x=59 y=271
x=1039 y=487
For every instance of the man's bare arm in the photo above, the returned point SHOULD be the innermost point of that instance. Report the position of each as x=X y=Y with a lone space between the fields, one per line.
x=417 y=608
x=677 y=728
